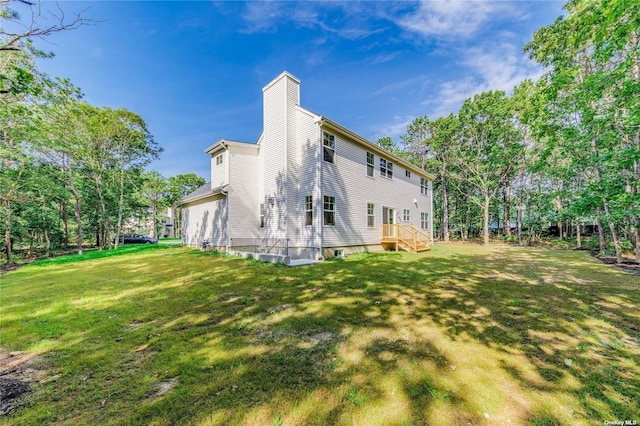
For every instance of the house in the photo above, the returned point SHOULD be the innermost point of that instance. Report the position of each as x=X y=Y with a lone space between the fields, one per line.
x=307 y=189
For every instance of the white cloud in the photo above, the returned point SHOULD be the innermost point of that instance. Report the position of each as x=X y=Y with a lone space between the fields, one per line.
x=384 y=57
x=451 y=19
x=397 y=127
x=419 y=82
x=497 y=66
x=265 y=16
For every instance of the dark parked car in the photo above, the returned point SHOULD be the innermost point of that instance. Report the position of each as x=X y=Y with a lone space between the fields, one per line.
x=137 y=239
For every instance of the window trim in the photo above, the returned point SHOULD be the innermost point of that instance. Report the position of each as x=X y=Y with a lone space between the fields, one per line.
x=406 y=215
x=371 y=214
x=424 y=221
x=331 y=138
x=371 y=166
x=219 y=159
x=308 y=210
x=386 y=170
x=424 y=186
x=331 y=201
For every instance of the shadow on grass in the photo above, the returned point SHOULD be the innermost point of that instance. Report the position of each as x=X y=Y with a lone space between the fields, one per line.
x=529 y=336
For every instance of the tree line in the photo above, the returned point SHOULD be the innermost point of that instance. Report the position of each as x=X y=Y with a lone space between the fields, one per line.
x=71 y=173
x=561 y=151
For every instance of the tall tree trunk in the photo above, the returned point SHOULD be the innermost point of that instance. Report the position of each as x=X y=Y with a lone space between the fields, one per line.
x=601 y=237
x=614 y=234
x=120 y=207
x=487 y=201
x=519 y=224
x=47 y=247
x=65 y=223
x=578 y=236
x=445 y=207
x=76 y=211
x=7 y=234
x=104 y=218
x=154 y=214
x=507 y=209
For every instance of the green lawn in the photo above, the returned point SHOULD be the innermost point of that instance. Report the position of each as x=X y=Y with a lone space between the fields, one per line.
x=460 y=335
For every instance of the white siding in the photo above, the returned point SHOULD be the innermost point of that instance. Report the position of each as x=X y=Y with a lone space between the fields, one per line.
x=303 y=172
x=205 y=221
x=219 y=172
x=274 y=157
x=243 y=191
x=347 y=180
x=280 y=98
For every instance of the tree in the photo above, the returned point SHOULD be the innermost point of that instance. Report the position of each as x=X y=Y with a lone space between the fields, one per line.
x=153 y=190
x=133 y=148
x=445 y=135
x=592 y=111
x=177 y=188
x=485 y=150
x=17 y=68
x=417 y=140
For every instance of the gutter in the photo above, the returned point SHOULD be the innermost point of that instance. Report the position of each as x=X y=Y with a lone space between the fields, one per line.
x=323 y=121
x=219 y=190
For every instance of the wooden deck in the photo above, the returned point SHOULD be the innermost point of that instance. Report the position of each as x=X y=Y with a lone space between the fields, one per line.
x=405 y=237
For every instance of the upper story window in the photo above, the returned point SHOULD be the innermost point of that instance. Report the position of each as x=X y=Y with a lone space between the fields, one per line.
x=219 y=159
x=406 y=215
x=407 y=173
x=328 y=147
x=386 y=168
x=370 y=164
x=329 y=211
x=424 y=186
x=308 y=210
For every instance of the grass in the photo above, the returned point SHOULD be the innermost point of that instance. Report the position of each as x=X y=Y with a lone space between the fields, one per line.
x=461 y=335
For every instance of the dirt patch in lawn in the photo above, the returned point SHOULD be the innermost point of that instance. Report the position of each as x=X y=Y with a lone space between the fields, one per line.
x=18 y=371
x=163 y=388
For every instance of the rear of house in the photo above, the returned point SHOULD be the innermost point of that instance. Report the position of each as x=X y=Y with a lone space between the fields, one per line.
x=309 y=188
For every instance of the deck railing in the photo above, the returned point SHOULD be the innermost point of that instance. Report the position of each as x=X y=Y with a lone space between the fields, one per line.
x=407 y=236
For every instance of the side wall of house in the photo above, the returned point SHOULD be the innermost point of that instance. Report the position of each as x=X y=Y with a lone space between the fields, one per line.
x=347 y=181
x=205 y=220
x=219 y=172
x=278 y=100
x=243 y=192
x=303 y=171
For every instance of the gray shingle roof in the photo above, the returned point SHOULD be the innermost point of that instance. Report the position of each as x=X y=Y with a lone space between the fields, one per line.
x=203 y=191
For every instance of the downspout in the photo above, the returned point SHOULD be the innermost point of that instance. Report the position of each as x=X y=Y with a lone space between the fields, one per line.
x=226 y=194
x=430 y=186
x=318 y=190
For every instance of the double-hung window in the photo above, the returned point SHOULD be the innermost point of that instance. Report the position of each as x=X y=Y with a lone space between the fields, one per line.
x=329 y=211
x=328 y=147
x=308 y=210
x=386 y=168
x=370 y=164
x=371 y=223
x=424 y=186
x=219 y=159
x=406 y=215
x=424 y=220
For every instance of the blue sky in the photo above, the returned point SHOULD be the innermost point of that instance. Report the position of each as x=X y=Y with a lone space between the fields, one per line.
x=195 y=70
